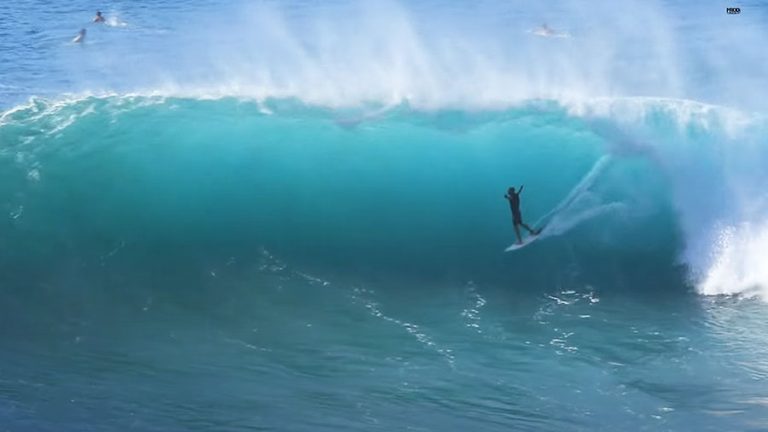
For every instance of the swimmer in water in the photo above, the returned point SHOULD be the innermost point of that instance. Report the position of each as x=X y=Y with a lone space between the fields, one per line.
x=544 y=30
x=99 y=18
x=80 y=36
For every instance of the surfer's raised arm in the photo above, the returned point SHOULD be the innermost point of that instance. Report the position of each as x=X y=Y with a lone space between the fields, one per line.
x=520 y=190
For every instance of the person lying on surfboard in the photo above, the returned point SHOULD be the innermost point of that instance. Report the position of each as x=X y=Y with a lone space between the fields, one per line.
x=517 y=218
x=80 y=36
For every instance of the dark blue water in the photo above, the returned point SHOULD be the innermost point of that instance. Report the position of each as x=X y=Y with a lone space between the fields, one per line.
x=263 y=216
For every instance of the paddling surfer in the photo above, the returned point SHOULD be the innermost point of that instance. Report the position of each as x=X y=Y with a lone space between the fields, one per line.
x=80 y=36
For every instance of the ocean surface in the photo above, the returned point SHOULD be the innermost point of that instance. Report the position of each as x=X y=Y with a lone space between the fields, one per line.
x=289 y=216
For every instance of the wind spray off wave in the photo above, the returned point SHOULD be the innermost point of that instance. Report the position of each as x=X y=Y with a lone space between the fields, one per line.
x=464 y=56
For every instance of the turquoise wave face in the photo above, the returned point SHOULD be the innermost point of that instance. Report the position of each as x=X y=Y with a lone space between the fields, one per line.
x=401 y=192
x=624 y=187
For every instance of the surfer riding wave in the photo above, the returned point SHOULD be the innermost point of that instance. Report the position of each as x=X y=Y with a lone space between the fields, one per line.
x=517 y=218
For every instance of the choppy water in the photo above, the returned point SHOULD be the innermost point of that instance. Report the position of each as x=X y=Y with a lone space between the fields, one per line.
x=290 y=217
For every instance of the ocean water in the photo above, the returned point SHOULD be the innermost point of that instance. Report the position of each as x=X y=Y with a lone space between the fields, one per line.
x=289 y=216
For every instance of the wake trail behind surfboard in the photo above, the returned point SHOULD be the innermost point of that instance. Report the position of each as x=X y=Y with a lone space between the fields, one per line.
x=578 y=206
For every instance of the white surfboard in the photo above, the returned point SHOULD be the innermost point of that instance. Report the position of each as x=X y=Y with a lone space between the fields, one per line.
x=517 y=246
x=528 y=240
